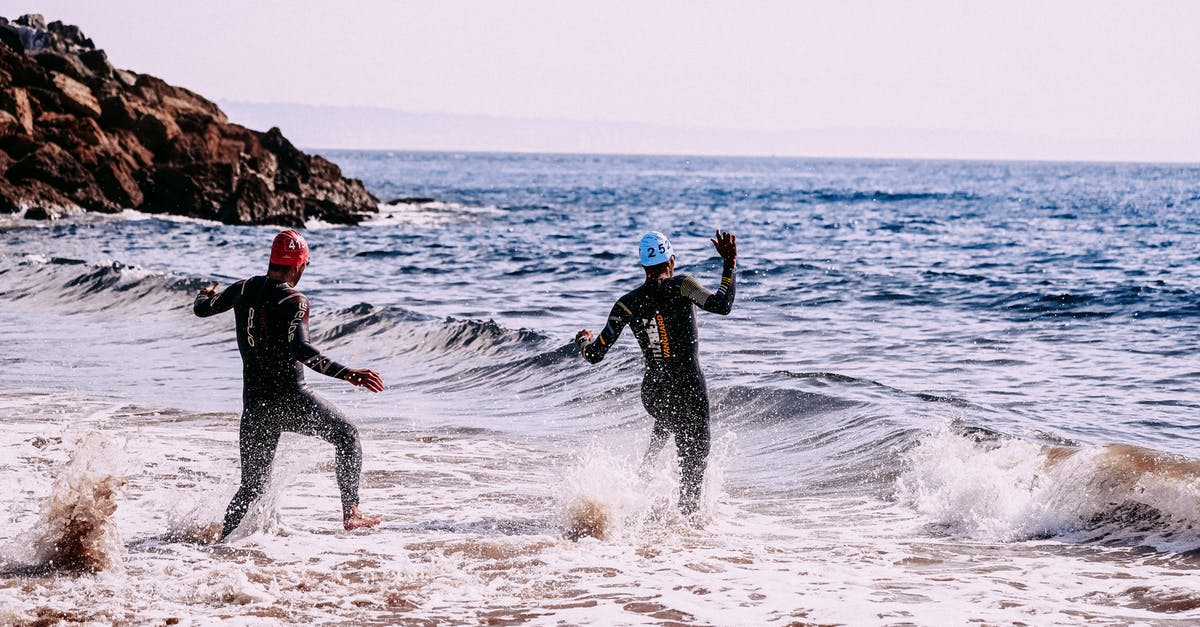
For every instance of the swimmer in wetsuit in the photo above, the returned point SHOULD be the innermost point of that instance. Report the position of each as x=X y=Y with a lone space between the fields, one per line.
x=272 y=336
x=662 y=315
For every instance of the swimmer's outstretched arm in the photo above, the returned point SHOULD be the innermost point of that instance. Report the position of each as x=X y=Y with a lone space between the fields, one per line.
x=593 y=351
x=720 y=302
x=307 y=354
x=209 y=303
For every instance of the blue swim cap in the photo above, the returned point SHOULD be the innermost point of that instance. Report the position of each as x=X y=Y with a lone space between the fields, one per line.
x=654 y=249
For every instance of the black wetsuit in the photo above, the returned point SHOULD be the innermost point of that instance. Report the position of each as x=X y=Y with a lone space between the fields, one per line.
x=662 y=315
x=272 y=336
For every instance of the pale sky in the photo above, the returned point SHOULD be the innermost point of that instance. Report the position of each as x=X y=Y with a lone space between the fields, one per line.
x=1125 y=71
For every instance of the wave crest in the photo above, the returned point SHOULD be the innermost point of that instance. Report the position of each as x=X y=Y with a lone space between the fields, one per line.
x=1010 y=489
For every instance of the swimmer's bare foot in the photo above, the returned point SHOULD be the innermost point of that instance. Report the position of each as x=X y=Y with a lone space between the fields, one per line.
x=353 y=519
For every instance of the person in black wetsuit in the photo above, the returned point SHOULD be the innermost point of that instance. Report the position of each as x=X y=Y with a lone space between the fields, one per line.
x=662 y=314
x=272 y=337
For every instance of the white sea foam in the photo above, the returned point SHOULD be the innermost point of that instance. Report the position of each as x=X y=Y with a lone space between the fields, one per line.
x=133 y=215
x=1013 y=489
x=609 y=494
x=473 y=532
x=415 y=214
x=429 y=213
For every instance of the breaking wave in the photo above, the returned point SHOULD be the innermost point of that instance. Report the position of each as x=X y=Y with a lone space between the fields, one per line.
x=91 y=286
x=1010 y=489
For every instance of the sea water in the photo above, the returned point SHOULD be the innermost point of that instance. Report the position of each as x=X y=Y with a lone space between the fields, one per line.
x=947 y=392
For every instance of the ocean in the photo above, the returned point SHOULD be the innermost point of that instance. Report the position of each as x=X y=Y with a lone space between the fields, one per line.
x=948 y=393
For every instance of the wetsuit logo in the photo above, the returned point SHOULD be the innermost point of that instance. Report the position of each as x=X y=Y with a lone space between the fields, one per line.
x=301 y=316
x=662 y=334
x=250 y=327
x=656 y=334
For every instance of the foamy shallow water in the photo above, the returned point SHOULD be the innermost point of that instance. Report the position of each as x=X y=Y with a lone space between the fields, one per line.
x=474 y=532
x=949 y=392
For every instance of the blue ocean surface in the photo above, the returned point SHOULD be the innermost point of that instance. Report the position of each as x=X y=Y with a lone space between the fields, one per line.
x=994 y=354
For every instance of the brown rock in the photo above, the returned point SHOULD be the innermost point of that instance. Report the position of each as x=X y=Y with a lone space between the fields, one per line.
x=42 y=212
x=51 y=165
x=252 y=202
x=9 y=125
x=76 y=96
x=77 y=132
x=45 y=101
x=21 y=69
x=116 y=182
x=97 y=62
x=14 y=198
x=69 y=37
x=132 y=150
x=10 y=39
x=9 y=201
x=51 y=122
x=39 y=209
x=171 y=190
x=90 y=197
x=15 y=100
x=115 y=112
x=87 y=132
x=17 y=145
x=152 y=131
x=176 y=99
x=60 y=63
x=32 y=20
x=127 y=78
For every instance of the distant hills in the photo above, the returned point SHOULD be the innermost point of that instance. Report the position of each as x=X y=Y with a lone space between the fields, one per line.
x=388 y=129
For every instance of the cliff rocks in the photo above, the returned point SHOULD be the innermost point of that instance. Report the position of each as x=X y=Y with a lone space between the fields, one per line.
x=78 y=133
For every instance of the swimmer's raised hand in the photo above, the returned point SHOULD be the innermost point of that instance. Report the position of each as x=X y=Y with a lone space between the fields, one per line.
x=726 y=245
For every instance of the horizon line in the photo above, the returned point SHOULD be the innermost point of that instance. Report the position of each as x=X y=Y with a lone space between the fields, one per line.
x=564 y=153
x=1108 y=144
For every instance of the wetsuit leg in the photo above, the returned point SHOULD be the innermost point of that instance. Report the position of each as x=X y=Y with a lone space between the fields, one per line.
x=682 y=409
x=658 y=439
x=692 y=444
x=309 y=414
x=257 y=439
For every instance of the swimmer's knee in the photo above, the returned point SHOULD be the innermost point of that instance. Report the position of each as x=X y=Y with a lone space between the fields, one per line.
x=344 y=436
x=348 y=433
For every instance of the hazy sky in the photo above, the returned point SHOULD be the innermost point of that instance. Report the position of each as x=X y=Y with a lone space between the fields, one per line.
x=1127 y=71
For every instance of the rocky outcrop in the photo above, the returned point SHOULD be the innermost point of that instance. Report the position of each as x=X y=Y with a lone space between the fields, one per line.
x=77 y=133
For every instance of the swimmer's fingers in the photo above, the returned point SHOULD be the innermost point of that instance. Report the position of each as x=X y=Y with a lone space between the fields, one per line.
x=211 y=289
x=373 y=382
x=365 y=378
x=726 y=245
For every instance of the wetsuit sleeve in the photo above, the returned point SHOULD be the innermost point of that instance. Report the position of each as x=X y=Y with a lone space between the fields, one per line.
x=295 y=305
x=617 y=319
x=719 y=303
x=206 y=305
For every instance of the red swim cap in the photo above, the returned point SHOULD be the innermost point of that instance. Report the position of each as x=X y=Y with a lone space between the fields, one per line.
x=289 y=249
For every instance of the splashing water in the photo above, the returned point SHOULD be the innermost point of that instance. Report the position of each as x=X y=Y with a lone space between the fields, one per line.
x=76 y=531
x=611 y=495
x=1013 y=489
